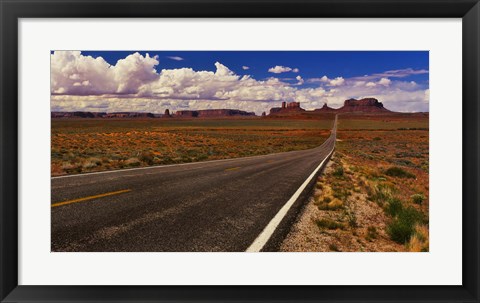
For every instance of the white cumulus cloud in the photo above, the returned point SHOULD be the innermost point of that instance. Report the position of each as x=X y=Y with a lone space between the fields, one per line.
x=282 y=69
x=75 y=74
x=384 y=82
x=331 y=82
x=300 y=80
x=337 y=81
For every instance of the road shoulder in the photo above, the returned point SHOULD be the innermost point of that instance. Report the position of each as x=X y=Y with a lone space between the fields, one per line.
x=354 y=220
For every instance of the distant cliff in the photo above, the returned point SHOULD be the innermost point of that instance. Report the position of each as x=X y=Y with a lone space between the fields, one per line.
x=205 y=113
x=287 y=108
x=363 y=105
x=79 y=114
x=212 y=113
x=366 y=105
x=326 y=109
x=290 y=109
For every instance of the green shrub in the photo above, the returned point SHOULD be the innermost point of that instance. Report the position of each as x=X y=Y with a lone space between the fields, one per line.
x=333 y=247
x=402 y=227
x=372 y=233
x=396 y=171
x=380 y=193
x=338 y=172
x=167 y=160
x=331 y=204
x=341 y=193
x=418 y=198
x=147 y=157
x=329 y=224
x=202 y=157
x=352 y=218
x=394 y=207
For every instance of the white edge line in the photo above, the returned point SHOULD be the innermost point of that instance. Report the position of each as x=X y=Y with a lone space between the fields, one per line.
x=147 y=167
x=169 y=165
x=267 y=232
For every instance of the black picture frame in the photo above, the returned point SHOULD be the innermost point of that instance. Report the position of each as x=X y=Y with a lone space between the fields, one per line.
x=11 y=11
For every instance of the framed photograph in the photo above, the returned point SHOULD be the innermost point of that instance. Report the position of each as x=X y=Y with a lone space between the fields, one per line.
x=239 y=151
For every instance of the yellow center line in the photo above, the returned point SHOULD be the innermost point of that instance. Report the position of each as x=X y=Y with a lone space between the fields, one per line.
x=232 y=168
x=91 y=197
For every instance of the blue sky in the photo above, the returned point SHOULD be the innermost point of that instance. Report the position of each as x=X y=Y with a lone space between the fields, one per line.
x=249 y=80
x=312 y=64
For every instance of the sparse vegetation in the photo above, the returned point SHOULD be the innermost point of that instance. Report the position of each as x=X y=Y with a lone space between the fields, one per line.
x=331 y=205
x=334 y=197
x=333 y=247
x=418 y=198
x=419 y=240
x=148 y=157
x=380 y=193
x=338 y=172
x=365 y=123
x=352 y=218
x=329 y=224
x=341 y=192
x=132 y=162
x=383 y=191
x=398 y=172
x=394 y=207
x=85 y=145
x=402 y=227
x=372 y=233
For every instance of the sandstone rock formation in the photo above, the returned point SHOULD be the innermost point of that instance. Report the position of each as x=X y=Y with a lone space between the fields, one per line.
x=326 y=109
x=79 y=114
x=212 y=113
x=287 y=108
x=366 y=105
x=363 y=105
x=128 y=115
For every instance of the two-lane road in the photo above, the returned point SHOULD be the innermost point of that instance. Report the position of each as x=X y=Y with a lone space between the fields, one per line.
x=225 y=205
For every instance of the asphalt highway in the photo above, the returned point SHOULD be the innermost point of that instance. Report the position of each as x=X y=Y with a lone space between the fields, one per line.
x=219 y=205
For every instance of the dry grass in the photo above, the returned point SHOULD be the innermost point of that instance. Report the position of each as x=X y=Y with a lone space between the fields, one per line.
x=419 y=242
x=85 y=145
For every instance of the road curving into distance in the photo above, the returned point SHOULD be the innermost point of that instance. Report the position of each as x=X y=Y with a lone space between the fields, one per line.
x=242 y=204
